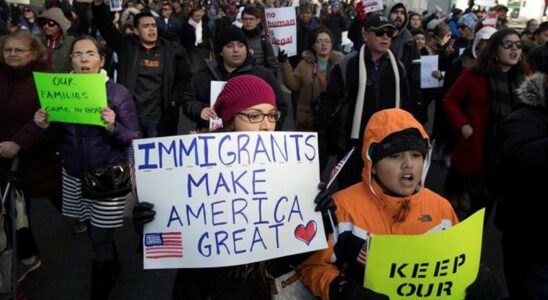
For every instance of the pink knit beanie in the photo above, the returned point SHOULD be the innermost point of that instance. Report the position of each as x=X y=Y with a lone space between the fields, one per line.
x=241 y=93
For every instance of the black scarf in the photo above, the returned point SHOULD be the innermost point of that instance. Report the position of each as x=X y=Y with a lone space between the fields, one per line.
x=501 y=87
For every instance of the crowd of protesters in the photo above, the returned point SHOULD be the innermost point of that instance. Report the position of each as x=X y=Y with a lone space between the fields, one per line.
x=159 y=59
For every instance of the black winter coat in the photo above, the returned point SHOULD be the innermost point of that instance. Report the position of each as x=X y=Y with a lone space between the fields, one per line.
x=215 y=70
x=379 y=94
x=523 y=166
x=176 y=77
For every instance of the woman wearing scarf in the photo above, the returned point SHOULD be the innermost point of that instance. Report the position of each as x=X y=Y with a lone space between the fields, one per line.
x=475 y=105
x=311 y=75
x=196 y=38
x=95 y=146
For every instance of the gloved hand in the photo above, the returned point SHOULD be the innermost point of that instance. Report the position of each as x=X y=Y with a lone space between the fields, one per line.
x=348 y=289
x=143 y=213
x=485 y=287
x=282 y=56
x=325 y=204
x=323 y=200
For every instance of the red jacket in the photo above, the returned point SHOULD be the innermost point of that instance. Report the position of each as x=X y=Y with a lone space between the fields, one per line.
x=467 y=102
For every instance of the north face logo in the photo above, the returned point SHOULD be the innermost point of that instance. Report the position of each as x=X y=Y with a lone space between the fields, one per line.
x=425 y=218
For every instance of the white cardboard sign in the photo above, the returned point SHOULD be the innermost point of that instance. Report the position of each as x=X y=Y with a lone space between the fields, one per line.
x=282 y=28
x=372 y=5
x=429 y=63
x=224 y=199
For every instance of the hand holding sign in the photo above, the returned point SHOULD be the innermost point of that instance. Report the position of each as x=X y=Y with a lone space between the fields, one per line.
x=109 y=116
x=41 y=118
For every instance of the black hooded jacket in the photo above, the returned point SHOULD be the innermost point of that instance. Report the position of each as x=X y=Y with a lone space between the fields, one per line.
x=523 y=165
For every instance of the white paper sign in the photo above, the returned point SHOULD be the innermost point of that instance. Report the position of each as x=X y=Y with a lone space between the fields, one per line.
x=19 y=1
x=345 y=39
x=488 y=3
x=214 y=90
x=372 y=5
x=429 y=63
x=282 y=28
x=224 y=199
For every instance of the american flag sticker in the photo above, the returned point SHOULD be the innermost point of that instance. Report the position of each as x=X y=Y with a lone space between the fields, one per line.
x=163 y=245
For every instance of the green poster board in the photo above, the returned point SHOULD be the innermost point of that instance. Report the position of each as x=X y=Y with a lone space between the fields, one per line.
x=439 y=265
x=72 y=98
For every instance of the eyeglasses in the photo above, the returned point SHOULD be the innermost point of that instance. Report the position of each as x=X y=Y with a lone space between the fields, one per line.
x=26 y=10
x=510 y=44
x=17 y=51
x=323 y=42
x=49 y=23
x=258 y=117
x=89 y=54
x=388 y=33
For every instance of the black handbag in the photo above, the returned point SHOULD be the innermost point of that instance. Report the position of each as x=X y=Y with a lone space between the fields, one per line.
x=103 y=182
x=110 y=181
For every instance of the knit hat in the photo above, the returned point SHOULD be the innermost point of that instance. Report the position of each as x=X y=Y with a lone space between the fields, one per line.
x=241 y=93
x=229 y=34
x=483 y=34
x=409 y=139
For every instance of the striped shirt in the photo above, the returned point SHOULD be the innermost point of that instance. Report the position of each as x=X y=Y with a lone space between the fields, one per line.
x=108 y=213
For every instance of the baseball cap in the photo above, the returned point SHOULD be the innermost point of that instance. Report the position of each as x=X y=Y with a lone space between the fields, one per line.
x=376 y=23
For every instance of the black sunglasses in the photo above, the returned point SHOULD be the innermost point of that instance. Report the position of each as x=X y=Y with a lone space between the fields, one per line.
x=389 y=33
x=510 y=44
x=49 y=23
x=26 y=10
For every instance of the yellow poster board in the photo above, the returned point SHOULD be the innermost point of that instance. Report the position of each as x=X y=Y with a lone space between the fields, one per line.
x=439 y=265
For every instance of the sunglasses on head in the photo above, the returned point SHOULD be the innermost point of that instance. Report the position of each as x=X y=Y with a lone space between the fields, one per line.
x=49 y=23
x=510 y=44
x=380 y=33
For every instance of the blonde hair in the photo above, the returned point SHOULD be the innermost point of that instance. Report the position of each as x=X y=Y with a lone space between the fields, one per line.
x=40 y=54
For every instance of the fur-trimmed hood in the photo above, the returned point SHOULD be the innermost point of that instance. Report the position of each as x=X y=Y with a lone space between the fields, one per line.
x=532 y=91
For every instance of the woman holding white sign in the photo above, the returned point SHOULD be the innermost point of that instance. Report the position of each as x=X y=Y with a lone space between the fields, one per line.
x=247 y=103
x=88 y=150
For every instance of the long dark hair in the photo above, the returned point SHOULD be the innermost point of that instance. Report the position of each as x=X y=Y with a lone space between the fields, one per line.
x=488 y=60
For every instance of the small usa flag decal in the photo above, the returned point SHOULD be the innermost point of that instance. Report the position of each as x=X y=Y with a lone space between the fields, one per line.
x=163 y=245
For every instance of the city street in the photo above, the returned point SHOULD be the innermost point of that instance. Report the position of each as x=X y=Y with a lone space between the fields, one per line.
x=65 y=269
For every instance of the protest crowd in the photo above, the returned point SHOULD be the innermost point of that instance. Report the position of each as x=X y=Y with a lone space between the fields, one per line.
x=383 y=90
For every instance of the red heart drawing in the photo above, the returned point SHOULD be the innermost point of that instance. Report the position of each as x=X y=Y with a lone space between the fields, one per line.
x=306 y=234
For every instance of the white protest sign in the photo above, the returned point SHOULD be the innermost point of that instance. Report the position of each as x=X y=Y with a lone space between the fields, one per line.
x=487 y=3
x=224 y=199
x=372 y=5
x=19 y=1
x=282 y=28
x=214 y=90
x=429 y=63
x=345 y=39
x=115 y=5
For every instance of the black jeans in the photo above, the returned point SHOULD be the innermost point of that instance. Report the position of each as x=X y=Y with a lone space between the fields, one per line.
x=102 y=243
